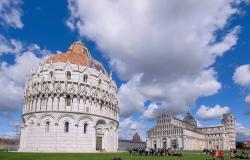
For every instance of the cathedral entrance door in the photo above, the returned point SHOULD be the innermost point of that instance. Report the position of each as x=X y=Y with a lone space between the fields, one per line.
x=165 y=145
x=98 y=143
x=174 y=144
x=154 y=144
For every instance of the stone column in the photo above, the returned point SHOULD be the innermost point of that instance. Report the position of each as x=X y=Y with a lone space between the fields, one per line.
x=78 y=103
x=49 y=104
x=56 y=130
x=37 y=134
x=36 y=106
x=76 y=136
x=52 y=102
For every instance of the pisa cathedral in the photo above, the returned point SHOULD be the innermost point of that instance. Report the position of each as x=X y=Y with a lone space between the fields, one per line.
x=171 y=132
x=71 y=104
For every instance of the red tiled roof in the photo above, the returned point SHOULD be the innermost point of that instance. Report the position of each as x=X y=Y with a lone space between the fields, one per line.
x=76 y=54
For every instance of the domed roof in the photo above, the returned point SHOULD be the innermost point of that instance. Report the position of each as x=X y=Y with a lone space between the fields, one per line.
x=189 y=117
x=76 y=54
x=136 y=138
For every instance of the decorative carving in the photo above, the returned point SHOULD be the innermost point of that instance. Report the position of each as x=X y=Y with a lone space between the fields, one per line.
x=84 y=91
x=59 y=88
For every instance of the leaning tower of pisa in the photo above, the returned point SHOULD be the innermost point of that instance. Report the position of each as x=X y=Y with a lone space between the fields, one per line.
x=228 y=121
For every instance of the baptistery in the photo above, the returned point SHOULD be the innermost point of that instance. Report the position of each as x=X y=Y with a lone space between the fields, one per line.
x=71 y=104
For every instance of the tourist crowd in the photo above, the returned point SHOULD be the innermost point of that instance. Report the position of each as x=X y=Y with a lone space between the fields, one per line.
x=215 y=153
x=154 y=152
x=234 y=154
x=238 y=154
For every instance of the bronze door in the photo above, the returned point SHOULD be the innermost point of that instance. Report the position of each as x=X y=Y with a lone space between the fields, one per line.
x=165 y=145
x=98 y=143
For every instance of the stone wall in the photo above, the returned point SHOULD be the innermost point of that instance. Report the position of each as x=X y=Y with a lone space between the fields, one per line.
x=124 y=145
x=36 y=136
x=9 y=144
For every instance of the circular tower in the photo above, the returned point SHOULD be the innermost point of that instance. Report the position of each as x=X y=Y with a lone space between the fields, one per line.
x=229 y=122
x=70 y=105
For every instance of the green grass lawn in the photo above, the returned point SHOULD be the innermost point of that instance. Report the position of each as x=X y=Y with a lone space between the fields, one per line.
x=96 y=156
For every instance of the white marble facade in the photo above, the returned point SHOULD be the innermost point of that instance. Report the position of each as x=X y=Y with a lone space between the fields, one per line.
x=71 y=104
x=171 y=132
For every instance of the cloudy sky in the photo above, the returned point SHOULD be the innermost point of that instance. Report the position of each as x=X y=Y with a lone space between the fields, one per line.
x=175 y=56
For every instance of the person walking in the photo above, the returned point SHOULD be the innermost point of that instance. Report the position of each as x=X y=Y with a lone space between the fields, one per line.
x=213 y=154
x=221 y=154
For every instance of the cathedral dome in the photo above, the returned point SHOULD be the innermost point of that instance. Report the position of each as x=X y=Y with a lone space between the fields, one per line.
x=136 y=137
x=77 y=54
x=190 y=119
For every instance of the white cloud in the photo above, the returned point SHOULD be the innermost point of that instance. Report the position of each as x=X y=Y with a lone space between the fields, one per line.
x=12 y=80
x=10 y=13
x=189 y=89
x=171 y=44
x=207 y=113
x=131 y=99
x=243 y=133
x=242 y=75
x=12 y=46
x=151 y=111
x=128 y=127
x=13 y=75
x=180 y=116
x=229 y=40
x=247 y=99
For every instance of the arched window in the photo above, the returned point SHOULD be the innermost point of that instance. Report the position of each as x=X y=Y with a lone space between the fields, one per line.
x=47 y=127
x=100 y=81
x=68 y=100
x=51 y=74
x=85 y=78
x=85 y=128
x=68 y=75
x=66 y=127
x=87 y=109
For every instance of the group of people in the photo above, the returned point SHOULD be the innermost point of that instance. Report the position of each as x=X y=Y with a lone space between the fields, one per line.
x=238 y=154
x=154 y=152
x=214 y=153
x=234 y=154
